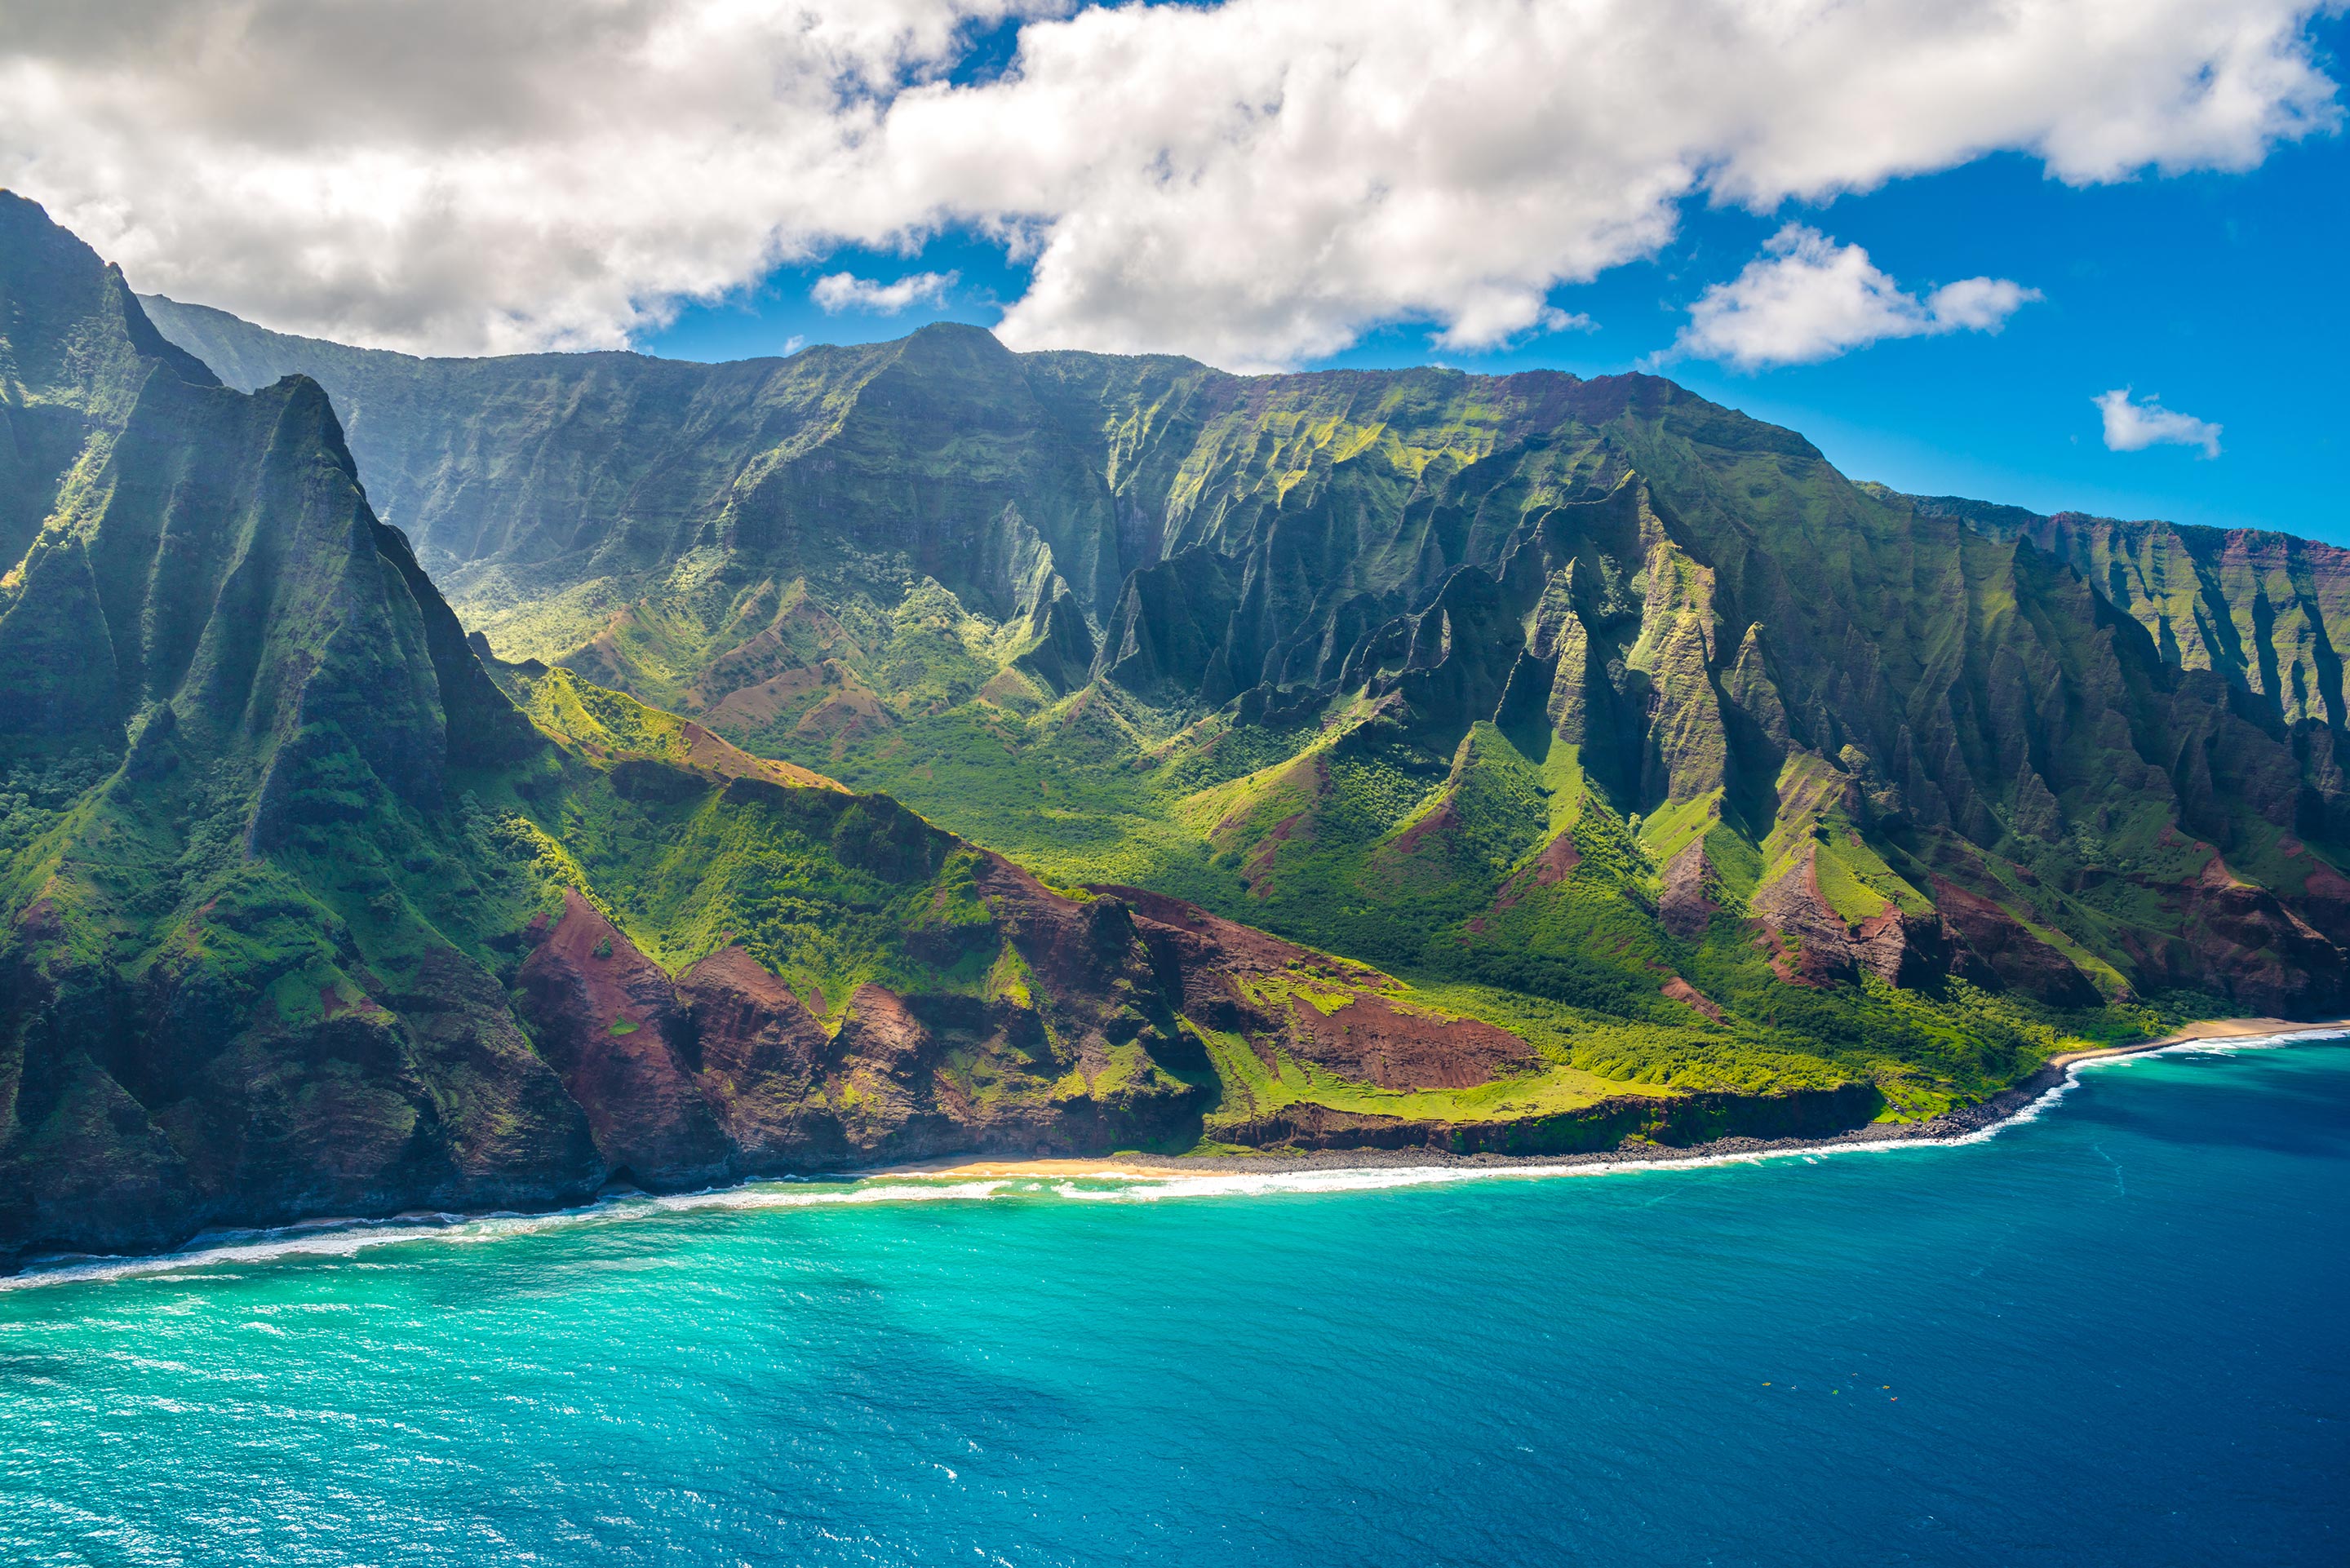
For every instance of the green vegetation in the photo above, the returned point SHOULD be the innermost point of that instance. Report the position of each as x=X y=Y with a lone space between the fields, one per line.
x=1253 y=1089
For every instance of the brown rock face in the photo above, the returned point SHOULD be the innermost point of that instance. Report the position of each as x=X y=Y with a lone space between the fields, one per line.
x=1559 y=856
x=1682 y=991
x=1685 y=905
x=197 y=1116
x=608 y=1023
x=1967 y=935
x=1998 y=949
x=725 y=1072
x=2325 y=902
x=882 y=1033
x=1186 y=939
x=1557 y=861
x=2242 y=940
x=1794 y=913
x=1907 y=949
x=1371 y=1041
x=763 y=1060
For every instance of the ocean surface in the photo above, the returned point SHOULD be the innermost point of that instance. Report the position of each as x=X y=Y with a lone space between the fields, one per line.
x=2116 y=1332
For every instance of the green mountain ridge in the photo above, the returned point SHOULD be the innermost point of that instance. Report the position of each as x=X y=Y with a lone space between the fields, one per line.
x=1378 y=641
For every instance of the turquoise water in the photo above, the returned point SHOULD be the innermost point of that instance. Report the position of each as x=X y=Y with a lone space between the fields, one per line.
x=2112 y=1335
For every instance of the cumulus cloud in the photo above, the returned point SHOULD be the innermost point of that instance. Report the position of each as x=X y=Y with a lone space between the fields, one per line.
x=1256 y=183
x=838 y=291
x=1469 y=332
x=1814 y=299
x=2135 y=426
x=458 y=177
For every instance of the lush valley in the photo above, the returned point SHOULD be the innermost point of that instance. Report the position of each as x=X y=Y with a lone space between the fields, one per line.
x=1587 y=691
x=1313 y=761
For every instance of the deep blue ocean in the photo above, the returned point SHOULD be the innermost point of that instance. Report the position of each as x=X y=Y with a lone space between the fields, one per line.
x=2118 y=1333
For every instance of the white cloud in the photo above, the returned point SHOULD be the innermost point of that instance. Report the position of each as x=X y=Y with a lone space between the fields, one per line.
x=1976 y=303
x=458 y=177
x=2135 y=426
x=1816 y=299
x=1507 y=327
x=839 y=291
x=1255 y=182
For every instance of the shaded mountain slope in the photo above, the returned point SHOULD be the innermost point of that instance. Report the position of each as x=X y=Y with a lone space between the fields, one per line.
x=629 y=504
x=2267 y=612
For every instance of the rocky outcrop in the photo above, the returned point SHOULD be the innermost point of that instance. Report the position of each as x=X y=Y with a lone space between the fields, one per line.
x=608 y=1019
x=2242 y=940
x=1809 y=942
x=1685 y=902
x=1283 y=998
x=725 y=1072
x=1966 y=936
x=1690 y=996
x=1679 y=1122
x=1372 y=1041
x=1907 y=949
x=2325 y=895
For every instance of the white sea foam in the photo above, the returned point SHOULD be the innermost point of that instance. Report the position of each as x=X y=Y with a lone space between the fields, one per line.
x=868 y=1189
x=346 y=1239
x=309 y=1240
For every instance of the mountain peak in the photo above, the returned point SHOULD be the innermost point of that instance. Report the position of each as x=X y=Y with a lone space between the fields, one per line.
x=75 y=331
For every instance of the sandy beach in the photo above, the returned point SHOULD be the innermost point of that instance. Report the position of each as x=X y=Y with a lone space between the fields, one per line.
x=2209 y=1029
x=1957 y=1124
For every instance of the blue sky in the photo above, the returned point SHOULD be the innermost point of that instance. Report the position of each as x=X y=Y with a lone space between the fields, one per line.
x=2222 y=294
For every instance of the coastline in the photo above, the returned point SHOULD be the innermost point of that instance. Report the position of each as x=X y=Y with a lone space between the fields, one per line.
x=1951 y=1127
x=337 y=1234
